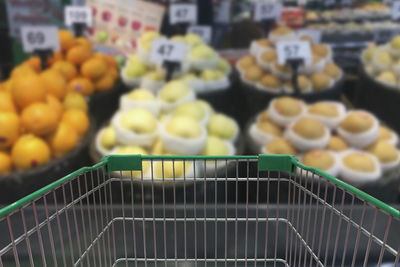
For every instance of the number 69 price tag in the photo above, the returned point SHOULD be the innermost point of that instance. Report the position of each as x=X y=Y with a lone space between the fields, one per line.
x=182 y=13
x=166 y=50
x=77 y=14
x=293 y=50
x=39 y=38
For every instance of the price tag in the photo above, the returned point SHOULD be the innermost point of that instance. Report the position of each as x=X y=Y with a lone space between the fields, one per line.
x=347 y=2
x=183 y=13
x=204 y=32
x=314 y=34
x=396 y=10
x=267 y=11
x=293 y=50
x=224 y=12
x=39 y=38
x=166 y=50
x=78 y=14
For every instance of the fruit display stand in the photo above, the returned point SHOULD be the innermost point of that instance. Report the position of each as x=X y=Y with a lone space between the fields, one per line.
x=384 y=188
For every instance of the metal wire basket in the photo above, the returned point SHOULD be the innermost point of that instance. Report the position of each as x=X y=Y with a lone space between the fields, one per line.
x=295 y=216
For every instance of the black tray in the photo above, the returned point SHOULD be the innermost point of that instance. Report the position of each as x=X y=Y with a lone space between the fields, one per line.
x=380 y=99
x=254 y=100
x=102 y=105
x=385 y=189
x=19 y=184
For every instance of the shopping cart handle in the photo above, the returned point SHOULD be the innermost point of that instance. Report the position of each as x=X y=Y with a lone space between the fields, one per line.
x=277 y=163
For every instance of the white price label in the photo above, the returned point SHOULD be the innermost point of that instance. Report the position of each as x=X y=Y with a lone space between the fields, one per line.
x=314 y=34
x=204 y=32
x=39 y=37
x=78 y=14
x=267 y=10
x=224 y=12
x=166 y=50
x=293 y=50
x=183 y=13
x=396 y=10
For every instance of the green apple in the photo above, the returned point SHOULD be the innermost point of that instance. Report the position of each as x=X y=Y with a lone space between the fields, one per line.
x=135 y=70
x=157 y=148
x=108 y=139
x=395 y=43
x=185 y=127
x=387 y=77
x=384 y=58
x=188 y=77
x=211 y=75
x=179 y=38
x=191 y=109
x=203 y=52
x=156 y=76
x=223 y=65
x=102 y=36
x=147 y=38
x=193 y=39
x=139 y=120
x=222 y=126
x=215 y=146
x=173 y=91
x=205 y=105
x=141 y=94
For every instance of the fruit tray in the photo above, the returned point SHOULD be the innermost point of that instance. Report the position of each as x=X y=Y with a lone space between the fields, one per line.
x=18 y=184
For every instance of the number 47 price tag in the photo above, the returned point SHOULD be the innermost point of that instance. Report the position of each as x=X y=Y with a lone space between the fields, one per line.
x=166 y=50
x=182 y=13
x=293 y=50
x=40 y=38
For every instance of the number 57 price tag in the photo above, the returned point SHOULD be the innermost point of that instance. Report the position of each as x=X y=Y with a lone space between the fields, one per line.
x=166 y=50
x=267 y=11
x=293 y=50
x=39 y=38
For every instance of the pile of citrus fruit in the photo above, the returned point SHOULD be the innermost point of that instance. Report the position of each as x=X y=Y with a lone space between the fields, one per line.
x=43 y=113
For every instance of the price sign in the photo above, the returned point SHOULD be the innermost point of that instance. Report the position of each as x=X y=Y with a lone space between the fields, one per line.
x=293 y=50
x=166 y=50
x=204 y=32
x=183 y=13
x=78 y=14
x=267 y=11
x=39 y=38
x=314 y=34
x=396 y=10
x=224 y=12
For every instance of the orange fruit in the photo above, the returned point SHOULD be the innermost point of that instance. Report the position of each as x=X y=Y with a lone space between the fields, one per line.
x=66 y=38
x=113 y=72
x=22 y=71
x=54 y=83
x=34 y=63
x=83 y=41
x=6 y=102
x=5 y=163
x=55 y=105
x=7 y=85
x=39 y=119
x=81 y=85
x=75 y=101
x=104 y=83
x=93 y=68
x=63 y=140
x=110 y=60
x=9 y=129
x=78 y=54
x=27 y=90
x=78 y=119
x=30 y=152
x=67 y=69
x=57 y=56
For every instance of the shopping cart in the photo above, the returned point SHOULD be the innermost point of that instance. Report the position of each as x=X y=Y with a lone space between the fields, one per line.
x=100 y=216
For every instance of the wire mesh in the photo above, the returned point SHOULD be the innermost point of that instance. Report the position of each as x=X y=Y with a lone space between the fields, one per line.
x=199 y=213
